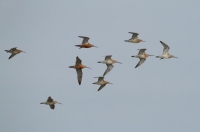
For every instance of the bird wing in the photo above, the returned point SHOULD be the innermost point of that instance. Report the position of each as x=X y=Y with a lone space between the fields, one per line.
x=14 y=48
x=142 y=51
x=109 y=68
x=134 y=35
x=49 y=99
x=85 y=39
x=12 y=55
x=140 y=62
x=101 y=87
x=79 y=75
x=52 y=106
x=108 y=57
x=100 y=79
x=78 y=60
x=166 y=47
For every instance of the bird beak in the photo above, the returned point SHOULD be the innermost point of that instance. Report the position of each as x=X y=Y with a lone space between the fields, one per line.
x=118 y=62
x=24 y=51
x=110 y=83
x=151 y=55
x=176 y=57
x=96 y=46
x=88 y=67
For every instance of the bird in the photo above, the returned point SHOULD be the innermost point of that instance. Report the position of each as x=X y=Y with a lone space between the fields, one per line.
x=142 y=56
x=85 y=43
x=134 y=38
x=108 y=61
x=165 y=54
x=101 y=82
x=13 y=52
x=78 y=66
x=50 y=102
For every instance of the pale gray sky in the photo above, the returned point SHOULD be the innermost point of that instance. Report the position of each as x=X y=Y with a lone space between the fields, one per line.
x=159 y=95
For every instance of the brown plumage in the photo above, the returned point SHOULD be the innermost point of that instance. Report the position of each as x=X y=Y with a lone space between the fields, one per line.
x=134 y=38
x=85 y=43
x=142 y=56
x=78 y=66
x=50 y=102
x=14 y=51
x=101 y=82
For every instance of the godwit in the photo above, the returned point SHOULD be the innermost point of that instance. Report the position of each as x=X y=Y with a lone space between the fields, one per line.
x=85 y=43
x=134 y=38
x=50 y=102
x=165 y=54
x=13 y=52
x=142 y=56
x=78 y=66
x=108 y=61
x=101 y=82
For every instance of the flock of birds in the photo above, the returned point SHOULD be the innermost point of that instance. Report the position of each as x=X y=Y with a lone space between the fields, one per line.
x=108 y=61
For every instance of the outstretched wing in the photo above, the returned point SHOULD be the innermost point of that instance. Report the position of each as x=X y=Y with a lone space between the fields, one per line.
x=79 y=75
x=78 y=60
x=109 y=68
x=101 y=87
x=142 y=51
x=49 y=99
x=85 y=39
x=134 y=35
x=11 y=56
x=140 y=62
x=100 y=79
x=52 y=106
x=166 y=47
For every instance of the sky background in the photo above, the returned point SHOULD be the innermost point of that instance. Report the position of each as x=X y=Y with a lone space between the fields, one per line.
x=159 y=95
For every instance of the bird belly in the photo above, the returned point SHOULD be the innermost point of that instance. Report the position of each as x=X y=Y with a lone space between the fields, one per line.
x=164 y=56
x=79 y=66
x=109 y=62
x=86 y=45
x=143 y=56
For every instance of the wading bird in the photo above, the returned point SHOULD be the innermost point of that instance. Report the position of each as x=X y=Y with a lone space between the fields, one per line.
x=142 y=56
x=50 y=102
x=108 y=61
x=13 y=52
x=85 y=43
x=101 y=82
x=134 y=38
x=165 y=54
x=78 y=66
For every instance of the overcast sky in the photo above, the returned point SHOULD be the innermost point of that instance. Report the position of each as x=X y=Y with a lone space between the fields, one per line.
x=158 y=96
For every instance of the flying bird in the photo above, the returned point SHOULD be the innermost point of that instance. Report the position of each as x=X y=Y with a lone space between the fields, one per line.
x=165 y=54
x=101 y=82
x=14 y=51
x=108 y=61
x=78 y=66
x=85 y=43
x=134 y=38
x=50 y=102
x=142 y=56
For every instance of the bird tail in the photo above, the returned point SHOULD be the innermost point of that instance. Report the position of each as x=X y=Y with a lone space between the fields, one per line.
x=71 y=66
